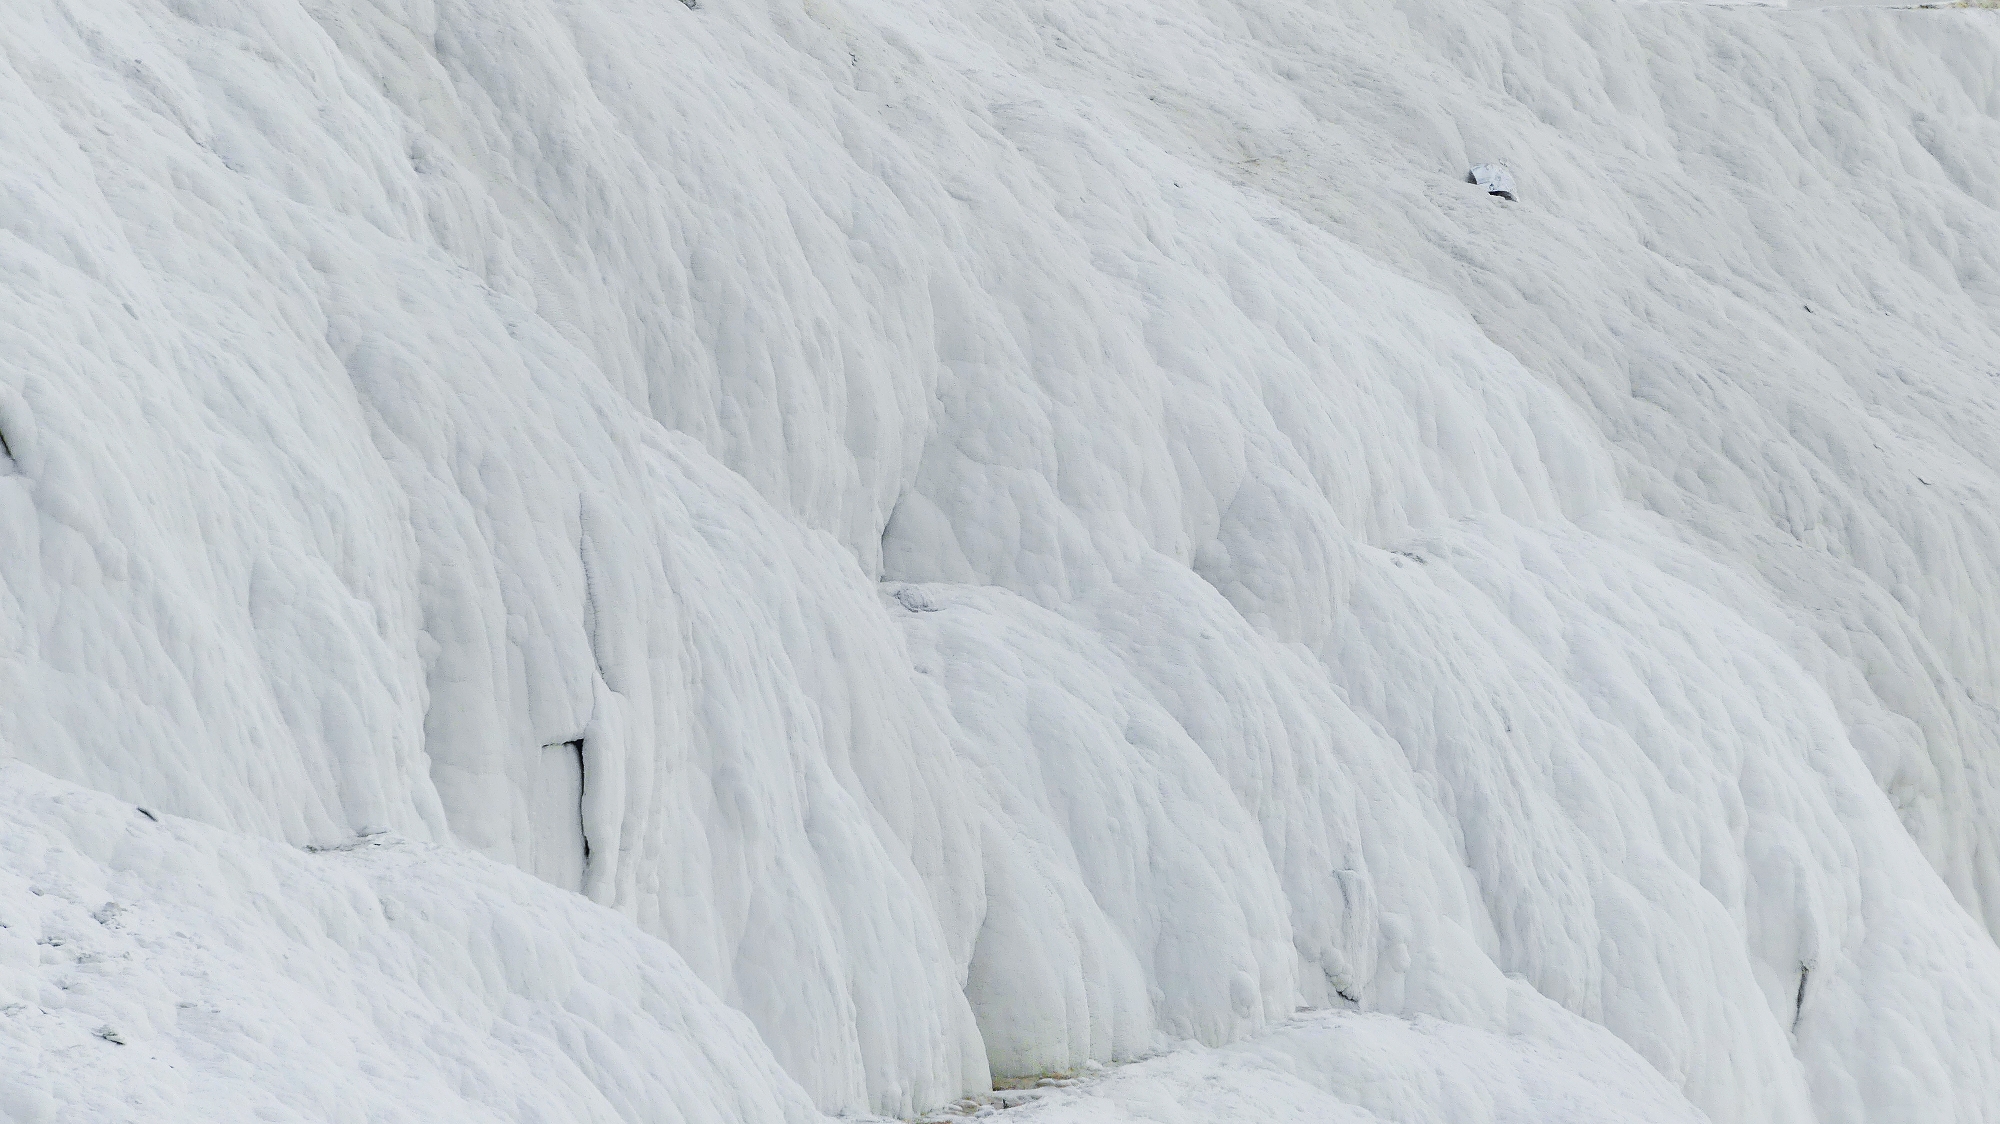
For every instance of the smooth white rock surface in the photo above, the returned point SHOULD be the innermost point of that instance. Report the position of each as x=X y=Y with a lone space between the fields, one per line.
x=1061 y=530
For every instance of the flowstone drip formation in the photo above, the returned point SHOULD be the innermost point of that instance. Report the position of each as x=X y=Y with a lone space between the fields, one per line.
x=627 y=561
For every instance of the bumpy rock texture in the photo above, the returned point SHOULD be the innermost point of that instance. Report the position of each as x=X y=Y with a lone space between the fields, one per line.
x=992 y=537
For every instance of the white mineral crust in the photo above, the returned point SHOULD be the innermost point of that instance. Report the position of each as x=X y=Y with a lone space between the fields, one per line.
x=588 y=560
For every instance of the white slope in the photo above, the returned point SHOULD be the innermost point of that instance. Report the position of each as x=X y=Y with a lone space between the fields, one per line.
x=157 y=969
x=999 y=537
x=1365 y=1069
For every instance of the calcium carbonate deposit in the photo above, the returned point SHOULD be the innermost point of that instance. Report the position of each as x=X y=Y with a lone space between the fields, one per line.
x=613 y=560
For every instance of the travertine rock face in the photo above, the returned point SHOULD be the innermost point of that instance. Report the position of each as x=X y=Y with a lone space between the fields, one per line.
x=997 y=539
